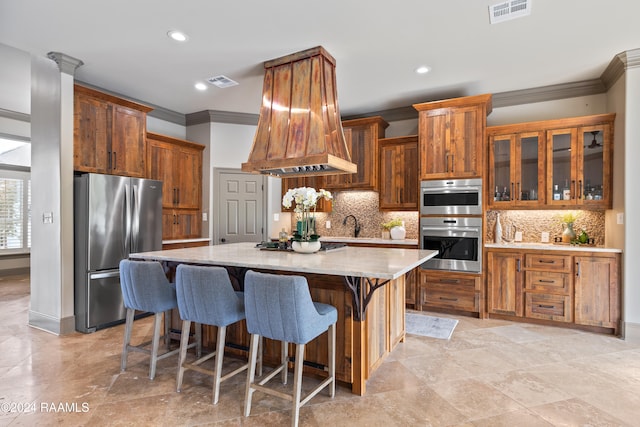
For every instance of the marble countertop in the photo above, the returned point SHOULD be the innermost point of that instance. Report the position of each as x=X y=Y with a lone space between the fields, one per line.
x=378 y=263
x=370 y=240
x=552 y=247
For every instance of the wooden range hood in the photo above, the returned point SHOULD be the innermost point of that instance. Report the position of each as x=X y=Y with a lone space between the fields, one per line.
x=299 y=129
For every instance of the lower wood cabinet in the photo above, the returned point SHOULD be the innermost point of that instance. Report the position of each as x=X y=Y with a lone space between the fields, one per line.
x=445 y=290
x=572 y=288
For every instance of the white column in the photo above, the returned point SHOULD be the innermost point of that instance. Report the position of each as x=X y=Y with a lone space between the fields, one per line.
x=52 y=305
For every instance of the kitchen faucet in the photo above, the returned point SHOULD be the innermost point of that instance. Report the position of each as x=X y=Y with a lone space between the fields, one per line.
x=356 y=228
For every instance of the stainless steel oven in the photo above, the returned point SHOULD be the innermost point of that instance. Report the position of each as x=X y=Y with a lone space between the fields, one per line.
x=458 y=241
x=451 y=197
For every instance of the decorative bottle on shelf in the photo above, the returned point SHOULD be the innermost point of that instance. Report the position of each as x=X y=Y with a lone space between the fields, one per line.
x=556 y=193
x=566 y=192
x=497 y=233
x=282 y=239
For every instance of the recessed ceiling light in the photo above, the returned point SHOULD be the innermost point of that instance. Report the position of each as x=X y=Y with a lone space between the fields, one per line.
x=201 y=86
x=423 y=69
x=178 y=36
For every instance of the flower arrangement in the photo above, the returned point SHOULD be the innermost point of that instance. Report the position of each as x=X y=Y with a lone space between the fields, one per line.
x=568 y=217
x=306 y=199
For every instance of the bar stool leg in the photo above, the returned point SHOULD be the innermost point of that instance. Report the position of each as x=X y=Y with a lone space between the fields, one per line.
x=284 y=356
x=332 y=359
x=222 y=333
x=167 y=329
x=184 y=344
x=127 y=338
x=297 y=384
x=155 y=344
x=253 y=353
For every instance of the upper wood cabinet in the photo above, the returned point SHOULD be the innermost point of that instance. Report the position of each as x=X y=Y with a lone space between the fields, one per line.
x=553 y=163
x=109 y=134
x=362 y=137
x=178 y=163
x=516 y=168
x=451 y=134
x=316 y=182
x=399 y=173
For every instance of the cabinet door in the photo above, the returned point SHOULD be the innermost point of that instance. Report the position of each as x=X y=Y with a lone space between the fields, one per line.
x=504 y=283
x=561 y=173
x=502 y=159
x=434 y=143
x=364 y=153
x=160 y=166
x=411 y=283
x=188 y=166
x=465 y=142
x=91 y=134
x=594 y=166
x=597 y=294
x=128 y=142
x=399 y=174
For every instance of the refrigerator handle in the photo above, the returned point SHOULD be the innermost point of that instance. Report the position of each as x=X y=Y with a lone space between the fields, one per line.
x=135 y=219
x=127 y=221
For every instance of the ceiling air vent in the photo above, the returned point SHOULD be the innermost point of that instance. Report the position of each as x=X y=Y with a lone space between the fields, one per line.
x=509 y=10
x=222 y=81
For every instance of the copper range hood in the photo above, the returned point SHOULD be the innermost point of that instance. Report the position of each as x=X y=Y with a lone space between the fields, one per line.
x=299 y=129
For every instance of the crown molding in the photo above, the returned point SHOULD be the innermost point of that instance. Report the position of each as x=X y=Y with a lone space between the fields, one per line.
x=14 y=115
x=216 y=116
x=618 y=65
x=67 y=64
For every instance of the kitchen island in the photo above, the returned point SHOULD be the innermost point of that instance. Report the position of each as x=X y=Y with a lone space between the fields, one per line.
x=366 y=285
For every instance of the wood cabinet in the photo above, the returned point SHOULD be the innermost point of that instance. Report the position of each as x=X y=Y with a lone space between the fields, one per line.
x=451 y=135
x=563 y=163
x=317 y=182
x=504 y=283
x=399 y=173
x=109 y=134
x=516 y=168
x=597 y=291
x=178 y=164
x=362 y=137
x=570 y=288
x=445 y=290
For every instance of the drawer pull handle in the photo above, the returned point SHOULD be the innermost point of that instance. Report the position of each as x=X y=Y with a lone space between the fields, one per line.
x=546 y=281
x=448 y=299
x=449 y=280
x=545 y=306
x=547 y=261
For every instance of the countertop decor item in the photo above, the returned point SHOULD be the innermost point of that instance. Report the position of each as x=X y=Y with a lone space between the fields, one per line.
x=568 y=233
x=396 y=229
x=306 y=199
x=497 y=233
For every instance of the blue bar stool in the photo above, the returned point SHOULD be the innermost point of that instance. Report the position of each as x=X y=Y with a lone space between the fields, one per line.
x=206 y=296
x=146 y=288
x=279 y=307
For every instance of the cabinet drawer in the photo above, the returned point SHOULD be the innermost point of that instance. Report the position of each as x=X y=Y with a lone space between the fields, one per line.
x=441 y=297
x=548 y=281
x=455 y=283
x=548 y=262
x=548 y=307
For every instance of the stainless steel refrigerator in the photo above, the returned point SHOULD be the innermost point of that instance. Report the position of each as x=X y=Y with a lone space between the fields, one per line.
x=113 y=217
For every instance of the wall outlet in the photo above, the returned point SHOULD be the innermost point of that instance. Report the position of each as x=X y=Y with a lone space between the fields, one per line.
x=47 y=218
x=518 y=236
x=620 y=218
x=545 y=237
x=327 y=224
x=204 y=217
x=276 y=217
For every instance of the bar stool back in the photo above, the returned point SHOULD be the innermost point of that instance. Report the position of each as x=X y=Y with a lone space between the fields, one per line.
x=279 y=307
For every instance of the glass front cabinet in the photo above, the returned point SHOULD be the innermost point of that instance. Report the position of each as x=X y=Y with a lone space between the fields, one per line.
x=516 y=169
x=553 y=163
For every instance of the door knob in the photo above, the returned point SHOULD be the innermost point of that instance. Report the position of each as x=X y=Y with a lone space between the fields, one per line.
x=223 y=240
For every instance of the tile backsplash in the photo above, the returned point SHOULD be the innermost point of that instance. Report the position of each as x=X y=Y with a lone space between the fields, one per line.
x=533 y=223
x=364 y=205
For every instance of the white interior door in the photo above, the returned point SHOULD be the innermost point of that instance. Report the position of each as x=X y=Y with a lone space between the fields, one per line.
x=240 y=207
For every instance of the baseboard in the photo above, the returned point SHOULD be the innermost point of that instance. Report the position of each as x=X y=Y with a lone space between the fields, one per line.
x=51 y=324
x=632 y=332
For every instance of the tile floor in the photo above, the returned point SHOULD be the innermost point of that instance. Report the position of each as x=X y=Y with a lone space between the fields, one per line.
x=491 y=373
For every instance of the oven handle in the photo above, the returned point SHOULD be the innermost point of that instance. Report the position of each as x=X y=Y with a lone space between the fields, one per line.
x=465 y=229
x=440 y=190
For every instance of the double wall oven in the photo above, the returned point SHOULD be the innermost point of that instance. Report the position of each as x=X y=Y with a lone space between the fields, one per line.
x=451 y=222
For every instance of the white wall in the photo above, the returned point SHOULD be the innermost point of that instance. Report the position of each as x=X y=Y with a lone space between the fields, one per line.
x=166 y=128
x=15 y=80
